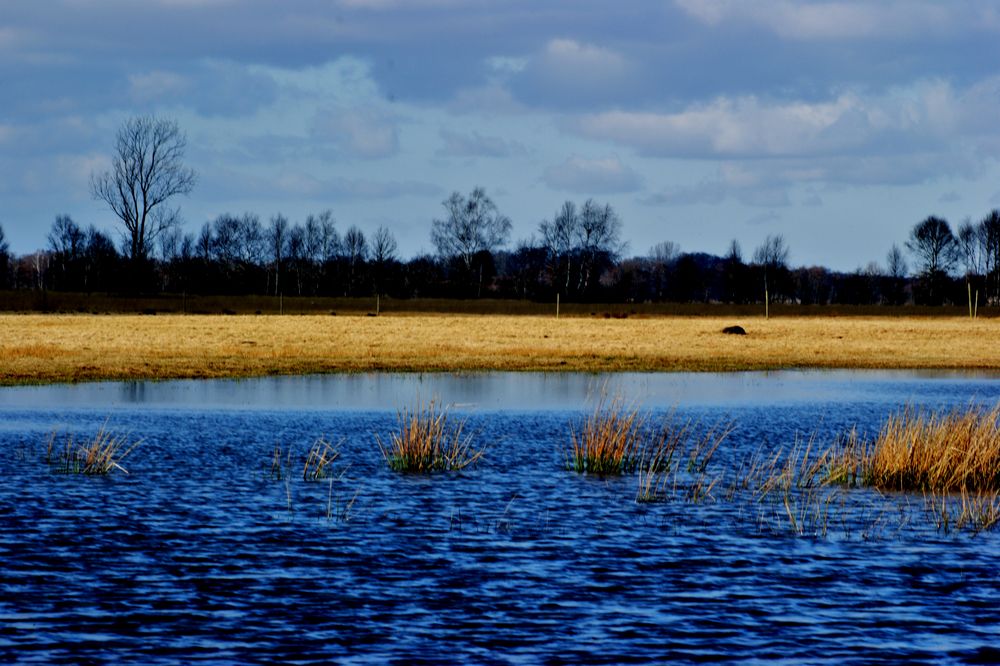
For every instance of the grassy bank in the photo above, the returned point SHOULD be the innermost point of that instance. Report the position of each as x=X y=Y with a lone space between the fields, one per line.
x=48 y=348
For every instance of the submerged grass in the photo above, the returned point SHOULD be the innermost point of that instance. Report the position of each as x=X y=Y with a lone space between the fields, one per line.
x=428 y=440
x=100 y=455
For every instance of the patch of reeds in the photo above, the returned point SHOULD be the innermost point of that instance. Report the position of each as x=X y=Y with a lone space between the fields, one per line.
x=973 y=511
x=678 y=460
x=609 y=441
x=102 y=454
x=957 y=451
x=429 y=440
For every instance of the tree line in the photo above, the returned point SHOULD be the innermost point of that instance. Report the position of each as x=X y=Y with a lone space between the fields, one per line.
x=578 y=254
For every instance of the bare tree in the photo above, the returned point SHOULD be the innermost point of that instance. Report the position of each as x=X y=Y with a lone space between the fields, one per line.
x=277 y=241
x=968 y=248
x=895 y=263
x=772 y=258
x=772 y=253
x=934 y=245
x=598 y=236
x=147 y=170
x=473 y=226
x=355 y=248
x=384 y=248
x=558 y=238
x=989 y=240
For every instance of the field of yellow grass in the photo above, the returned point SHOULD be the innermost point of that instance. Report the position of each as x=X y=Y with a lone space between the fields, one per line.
x=51 y=348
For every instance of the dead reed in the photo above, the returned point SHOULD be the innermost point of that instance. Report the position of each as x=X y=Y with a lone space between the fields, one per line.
x=957 y=451
x=319 y=460
x=609 y=440
x=678 y=460
x=101 y=455
x=428 y=440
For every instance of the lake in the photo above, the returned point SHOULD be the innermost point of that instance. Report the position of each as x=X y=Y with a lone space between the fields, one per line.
x=202 y=553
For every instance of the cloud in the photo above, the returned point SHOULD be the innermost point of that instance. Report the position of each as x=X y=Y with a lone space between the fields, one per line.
x=843 y=19
x=763 y=219
x=568 y=72
x=592 y=176
x=733 y=181
x=950 y=197
x=488 y=99
x=904 y=135
x=364 y=133
x=567 y=58
x=156 y=85
x=475 y=144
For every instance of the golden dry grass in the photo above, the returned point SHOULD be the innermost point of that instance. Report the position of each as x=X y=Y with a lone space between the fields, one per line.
x=935 y=452
x=47 y=348
x=428 y=440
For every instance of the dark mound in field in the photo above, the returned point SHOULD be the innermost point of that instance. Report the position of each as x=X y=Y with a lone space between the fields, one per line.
x=734 y=330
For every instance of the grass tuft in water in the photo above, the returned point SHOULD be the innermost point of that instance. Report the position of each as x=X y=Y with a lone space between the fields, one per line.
x=428 y=440
x=608 y=441
x=957 y=451
x=100 y=455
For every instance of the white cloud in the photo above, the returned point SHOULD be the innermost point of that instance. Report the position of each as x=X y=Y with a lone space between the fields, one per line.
x=567 y=58
x=929 y=115
x=592 y=176
x=844 y=19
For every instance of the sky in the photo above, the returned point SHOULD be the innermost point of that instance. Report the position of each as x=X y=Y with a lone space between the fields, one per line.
x=839 y=125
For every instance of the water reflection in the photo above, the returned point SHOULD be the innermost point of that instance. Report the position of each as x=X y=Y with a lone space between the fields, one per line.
x=514 y=391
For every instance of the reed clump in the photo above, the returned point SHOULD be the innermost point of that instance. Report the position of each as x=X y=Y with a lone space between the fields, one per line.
x=100 y=455
x=429 y=440
x=609 y=440
x=957 y=451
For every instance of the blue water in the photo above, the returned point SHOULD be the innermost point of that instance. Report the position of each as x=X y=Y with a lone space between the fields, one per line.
x=199 y=555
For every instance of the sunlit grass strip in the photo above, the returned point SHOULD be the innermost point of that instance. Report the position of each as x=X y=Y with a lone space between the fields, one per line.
x=428 y=440
x=608 y=442
x=101 y=455
x=958 y=451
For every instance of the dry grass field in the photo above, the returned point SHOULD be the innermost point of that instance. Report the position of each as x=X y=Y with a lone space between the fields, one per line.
x=55 y=348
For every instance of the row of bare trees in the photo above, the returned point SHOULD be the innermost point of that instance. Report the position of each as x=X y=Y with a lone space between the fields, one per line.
x=578 y=253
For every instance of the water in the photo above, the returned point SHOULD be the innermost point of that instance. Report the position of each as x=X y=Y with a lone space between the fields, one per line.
x=198 y=555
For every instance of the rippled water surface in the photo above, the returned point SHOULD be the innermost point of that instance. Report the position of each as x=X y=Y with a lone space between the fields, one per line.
x=199 y=554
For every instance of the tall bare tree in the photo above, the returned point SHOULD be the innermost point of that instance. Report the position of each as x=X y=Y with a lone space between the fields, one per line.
x=473 y=226
x=147 y=170
x=277 y=243
x=558 y=239
x=934 y=245
x=383 y=252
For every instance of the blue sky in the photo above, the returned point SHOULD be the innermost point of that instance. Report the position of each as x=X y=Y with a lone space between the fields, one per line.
x=837 y=124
